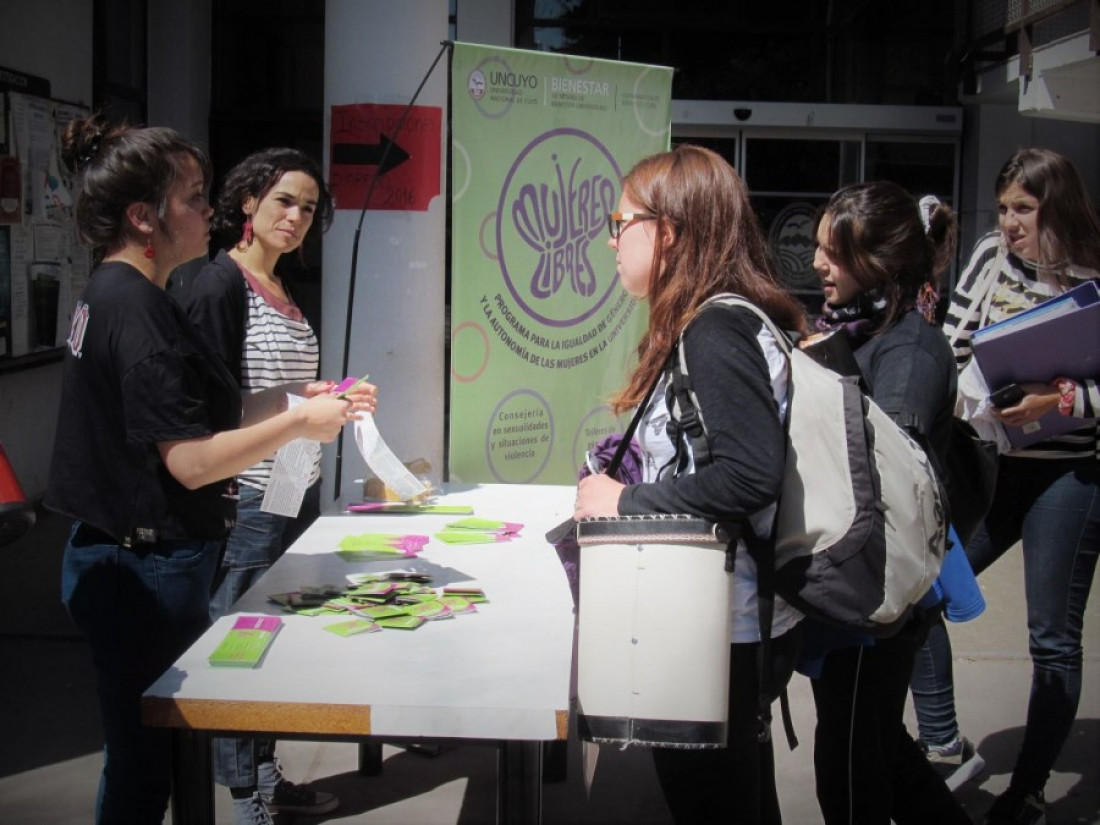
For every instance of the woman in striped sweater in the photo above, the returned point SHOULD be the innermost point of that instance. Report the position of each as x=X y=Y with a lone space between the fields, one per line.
x=266 y=207
x=1047 y=494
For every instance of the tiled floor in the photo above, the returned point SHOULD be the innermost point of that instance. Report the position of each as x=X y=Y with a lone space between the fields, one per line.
x=49 y=758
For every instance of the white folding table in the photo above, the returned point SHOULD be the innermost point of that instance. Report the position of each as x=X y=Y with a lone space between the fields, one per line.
x=500 y=675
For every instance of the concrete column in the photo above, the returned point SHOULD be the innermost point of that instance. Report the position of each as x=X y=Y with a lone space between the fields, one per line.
x=377 y=52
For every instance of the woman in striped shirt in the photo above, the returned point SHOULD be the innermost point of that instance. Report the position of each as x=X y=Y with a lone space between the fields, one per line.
x=1048 y=242
x=267 y=206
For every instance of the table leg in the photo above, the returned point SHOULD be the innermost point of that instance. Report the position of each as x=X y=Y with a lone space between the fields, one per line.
x=519 y=783
x=555 y=760
x=192 y=778
x=370 y=758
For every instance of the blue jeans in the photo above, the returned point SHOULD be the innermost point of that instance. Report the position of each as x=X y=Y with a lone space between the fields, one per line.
x=256 y=542
x=933 y=686
x=140 y=609
x=1054 y=508
x=933 y=679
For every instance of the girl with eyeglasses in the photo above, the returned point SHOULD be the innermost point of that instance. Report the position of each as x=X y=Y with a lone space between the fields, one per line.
x=685 y=232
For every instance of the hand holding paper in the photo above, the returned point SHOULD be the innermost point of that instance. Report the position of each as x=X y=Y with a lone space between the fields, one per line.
x=363 y=396
x=322 y=417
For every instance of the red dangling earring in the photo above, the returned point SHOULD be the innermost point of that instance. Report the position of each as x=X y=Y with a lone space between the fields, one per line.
x=150 y=253
x=246 y=238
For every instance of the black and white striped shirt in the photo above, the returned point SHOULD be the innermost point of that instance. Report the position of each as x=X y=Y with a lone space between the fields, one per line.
x=1017 y=287
x=280 y=347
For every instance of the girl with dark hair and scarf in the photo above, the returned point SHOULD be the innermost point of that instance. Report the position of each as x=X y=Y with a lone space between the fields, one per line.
x=879 y=256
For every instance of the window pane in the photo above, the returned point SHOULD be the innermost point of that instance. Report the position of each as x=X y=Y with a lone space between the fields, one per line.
x=816 y=166
x=788 y=224
x=922 y=168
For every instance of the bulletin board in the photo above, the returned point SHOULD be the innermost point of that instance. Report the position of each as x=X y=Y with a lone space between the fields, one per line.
x=43 y=263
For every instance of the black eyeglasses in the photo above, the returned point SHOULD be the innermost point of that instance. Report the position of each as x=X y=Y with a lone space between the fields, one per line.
x=618 y=221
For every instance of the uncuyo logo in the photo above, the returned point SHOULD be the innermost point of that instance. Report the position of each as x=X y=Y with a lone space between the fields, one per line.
x=551 y=226
x=476 y=84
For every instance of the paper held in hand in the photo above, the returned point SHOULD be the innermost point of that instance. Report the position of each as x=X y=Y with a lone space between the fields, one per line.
x=384 y=464
x=291 y=472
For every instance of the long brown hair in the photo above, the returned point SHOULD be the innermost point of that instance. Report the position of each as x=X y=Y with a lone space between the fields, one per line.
x=716 y=245
x=1069 y=227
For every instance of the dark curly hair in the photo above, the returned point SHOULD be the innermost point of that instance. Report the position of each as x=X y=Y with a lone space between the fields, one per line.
x=254 y=177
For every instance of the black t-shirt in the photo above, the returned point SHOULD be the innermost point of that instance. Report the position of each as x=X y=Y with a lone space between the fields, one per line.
x=137 y=373
x=217 y=303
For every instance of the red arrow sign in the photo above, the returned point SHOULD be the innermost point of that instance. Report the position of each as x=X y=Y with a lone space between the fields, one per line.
x=365 y=143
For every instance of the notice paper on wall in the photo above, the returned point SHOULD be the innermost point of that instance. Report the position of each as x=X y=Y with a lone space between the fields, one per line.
x=383 y=463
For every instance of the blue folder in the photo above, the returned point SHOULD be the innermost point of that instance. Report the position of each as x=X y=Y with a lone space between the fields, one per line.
x=1057 y=338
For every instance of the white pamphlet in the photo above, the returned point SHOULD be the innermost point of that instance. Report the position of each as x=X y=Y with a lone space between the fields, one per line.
x=291 y=472
x=383 y=463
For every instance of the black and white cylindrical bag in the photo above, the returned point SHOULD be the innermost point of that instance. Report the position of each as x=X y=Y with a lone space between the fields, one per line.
x=654 y=631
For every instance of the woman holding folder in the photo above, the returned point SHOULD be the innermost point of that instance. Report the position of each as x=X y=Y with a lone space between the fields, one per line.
x=1047 y=493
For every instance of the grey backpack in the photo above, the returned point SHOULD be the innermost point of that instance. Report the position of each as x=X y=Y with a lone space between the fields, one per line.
x=861 y=527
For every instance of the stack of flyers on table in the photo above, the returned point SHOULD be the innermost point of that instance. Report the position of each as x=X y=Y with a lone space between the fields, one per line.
x=371 y=602
x=374 y=546
x=246 y=642
x=479 y=531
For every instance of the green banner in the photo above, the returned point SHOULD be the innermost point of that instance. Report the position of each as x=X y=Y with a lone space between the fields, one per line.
x=541 y=331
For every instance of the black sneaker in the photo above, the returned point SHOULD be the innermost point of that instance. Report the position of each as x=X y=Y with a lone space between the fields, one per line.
x=957 y=763
x=297 y=799
x=283 y=796
x=1016 y=807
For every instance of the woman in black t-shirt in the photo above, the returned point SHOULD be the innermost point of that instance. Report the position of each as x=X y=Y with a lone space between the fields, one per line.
x=149 y=438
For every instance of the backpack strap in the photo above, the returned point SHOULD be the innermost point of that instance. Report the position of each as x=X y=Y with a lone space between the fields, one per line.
x=687 y=417
x=568 y=527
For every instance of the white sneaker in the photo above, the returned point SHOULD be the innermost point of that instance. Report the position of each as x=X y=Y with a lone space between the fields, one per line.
x=251 y=811
x=957 y=762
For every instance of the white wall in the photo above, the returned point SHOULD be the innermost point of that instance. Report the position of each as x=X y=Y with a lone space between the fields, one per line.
x=48 y=38
x=378 y=52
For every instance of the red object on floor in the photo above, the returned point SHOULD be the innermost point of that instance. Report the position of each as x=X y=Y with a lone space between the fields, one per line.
x=16 y=515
